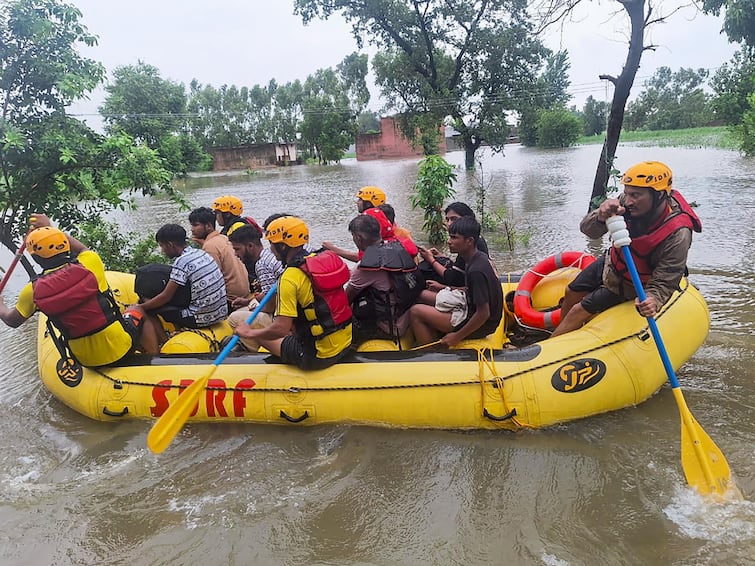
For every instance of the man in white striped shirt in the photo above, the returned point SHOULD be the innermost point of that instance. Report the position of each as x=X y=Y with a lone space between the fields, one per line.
x=197 y=270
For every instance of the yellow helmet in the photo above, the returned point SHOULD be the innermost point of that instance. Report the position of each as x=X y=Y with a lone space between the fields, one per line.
x=650 y=175
x=47 y=242
x=228 y=203
x=375 y=195
x=289 y=230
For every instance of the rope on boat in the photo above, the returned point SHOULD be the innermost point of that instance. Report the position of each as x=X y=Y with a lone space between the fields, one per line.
x=495 y=380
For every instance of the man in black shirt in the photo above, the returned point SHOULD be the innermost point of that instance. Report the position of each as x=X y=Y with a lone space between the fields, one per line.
x=483 y=293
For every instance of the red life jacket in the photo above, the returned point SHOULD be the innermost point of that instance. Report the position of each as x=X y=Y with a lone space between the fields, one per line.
x=71 y=299
x=330 y=310
x=642 y=246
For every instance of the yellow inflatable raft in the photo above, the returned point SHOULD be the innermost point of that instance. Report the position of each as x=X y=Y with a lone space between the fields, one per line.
x=609 y=364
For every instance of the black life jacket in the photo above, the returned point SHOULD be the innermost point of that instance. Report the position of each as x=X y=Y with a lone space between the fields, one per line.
x=330 y=310
x=71 y=299
x=407 y=281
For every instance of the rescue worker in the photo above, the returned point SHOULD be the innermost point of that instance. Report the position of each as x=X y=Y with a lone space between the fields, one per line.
x=312 y=324
x=660 y=223
x=383 y=285
x=228 y=210
x=369 y=197
x=73 y=292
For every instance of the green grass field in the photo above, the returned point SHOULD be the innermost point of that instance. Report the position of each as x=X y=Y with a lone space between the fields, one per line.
x=713 y=136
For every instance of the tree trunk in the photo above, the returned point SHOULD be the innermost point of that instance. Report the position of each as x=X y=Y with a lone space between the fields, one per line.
x=622 y=87
x=470 y=149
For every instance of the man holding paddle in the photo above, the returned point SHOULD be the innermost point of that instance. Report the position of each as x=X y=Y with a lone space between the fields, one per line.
x=73 y=292
x=660 y=223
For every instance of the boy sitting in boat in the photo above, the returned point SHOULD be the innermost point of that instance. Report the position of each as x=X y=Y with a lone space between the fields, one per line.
x=312 y=324
x=484 y=296
x=191 y=268
x=73 y=292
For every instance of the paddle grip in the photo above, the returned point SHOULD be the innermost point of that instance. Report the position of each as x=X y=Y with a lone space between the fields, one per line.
x=235 y=338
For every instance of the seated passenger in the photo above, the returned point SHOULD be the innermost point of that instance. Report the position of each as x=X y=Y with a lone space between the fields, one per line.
x=312 y=324
x=234 y=272
x=228 y=210
x=484 y=295
x=73 y=292
x=264 y=270
x=441 y=269
x=197 y=270
x=383 y=285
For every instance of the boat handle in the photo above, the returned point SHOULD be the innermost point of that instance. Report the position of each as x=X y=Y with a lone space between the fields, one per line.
x=110 y=413
x=292 y=419
x=505 y=417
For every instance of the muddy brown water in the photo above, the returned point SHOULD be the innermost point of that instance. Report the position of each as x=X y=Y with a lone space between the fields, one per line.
x=604 y=490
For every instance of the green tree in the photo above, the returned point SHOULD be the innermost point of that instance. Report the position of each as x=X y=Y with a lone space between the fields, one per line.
x=49 y=161
x=733 y=83
x=152 y=110
x=547 y=92
x=739 y=18
x=671 y=101
x=443 y=59
x=368 y=122
x=594 y=115
x=329 y=124
x=557 y=127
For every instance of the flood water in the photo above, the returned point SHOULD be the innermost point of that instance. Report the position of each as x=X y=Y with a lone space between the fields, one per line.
x=605 y=490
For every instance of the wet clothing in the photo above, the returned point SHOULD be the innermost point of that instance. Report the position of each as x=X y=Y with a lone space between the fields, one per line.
x=482 y=286
x=92 y=347
x=234 y=271
x=666 y=262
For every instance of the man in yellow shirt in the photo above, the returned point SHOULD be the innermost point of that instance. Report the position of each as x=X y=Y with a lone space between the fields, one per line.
x=74 y=294
x=312 y=324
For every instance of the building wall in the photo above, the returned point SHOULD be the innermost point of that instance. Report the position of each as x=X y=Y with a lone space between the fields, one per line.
x=253 y=156
x=390 y=143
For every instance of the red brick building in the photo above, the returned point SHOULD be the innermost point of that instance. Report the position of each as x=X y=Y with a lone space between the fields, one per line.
x=390 y=143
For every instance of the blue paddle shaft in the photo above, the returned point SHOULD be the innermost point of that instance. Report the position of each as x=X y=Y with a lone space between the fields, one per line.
x=235 y=339
x=629 y=260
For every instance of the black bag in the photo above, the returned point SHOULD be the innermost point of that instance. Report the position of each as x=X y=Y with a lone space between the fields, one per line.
x=151 y=280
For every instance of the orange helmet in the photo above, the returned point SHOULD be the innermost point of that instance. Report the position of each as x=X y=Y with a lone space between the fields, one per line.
x=375 y=195
x=228 y=203
x=289 y=230
x=649 y=175
x=47 y=242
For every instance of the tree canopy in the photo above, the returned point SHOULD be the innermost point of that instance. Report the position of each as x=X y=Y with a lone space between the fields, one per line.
x=437 y=59
x=50 y=161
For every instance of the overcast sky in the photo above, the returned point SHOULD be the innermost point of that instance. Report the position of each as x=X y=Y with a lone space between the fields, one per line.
x=248 y=42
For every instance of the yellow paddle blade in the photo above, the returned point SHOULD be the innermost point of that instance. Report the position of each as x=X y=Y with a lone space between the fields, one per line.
x=704 y=464
x=173 y=419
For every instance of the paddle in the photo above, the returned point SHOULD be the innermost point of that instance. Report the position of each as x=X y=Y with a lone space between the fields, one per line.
x=173 y=419
x=704 y=465
x=13 y=264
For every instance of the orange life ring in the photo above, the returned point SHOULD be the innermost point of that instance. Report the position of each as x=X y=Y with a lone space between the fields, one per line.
x=523 y=308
